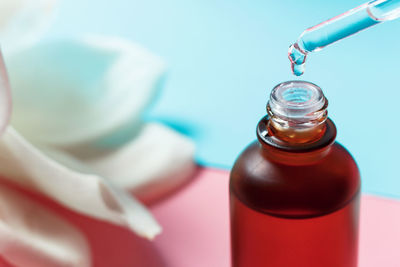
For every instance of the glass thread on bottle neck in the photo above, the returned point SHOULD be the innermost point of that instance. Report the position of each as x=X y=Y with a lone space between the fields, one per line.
x=297 y=112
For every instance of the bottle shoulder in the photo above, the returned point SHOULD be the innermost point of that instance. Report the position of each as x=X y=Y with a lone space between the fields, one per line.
x=293 y=190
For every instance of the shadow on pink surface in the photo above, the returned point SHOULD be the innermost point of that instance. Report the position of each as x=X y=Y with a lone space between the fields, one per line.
x=4 y=263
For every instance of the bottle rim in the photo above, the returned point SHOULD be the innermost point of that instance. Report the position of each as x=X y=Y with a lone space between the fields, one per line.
x=301 y=103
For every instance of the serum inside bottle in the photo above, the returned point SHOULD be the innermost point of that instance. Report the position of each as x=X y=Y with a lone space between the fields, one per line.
x=294 y=193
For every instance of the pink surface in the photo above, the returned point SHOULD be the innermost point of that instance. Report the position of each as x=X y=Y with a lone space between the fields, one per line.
x=196 y=230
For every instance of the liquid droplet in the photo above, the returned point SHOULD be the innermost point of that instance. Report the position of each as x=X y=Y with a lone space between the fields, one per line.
x=297 y=58
x=298 y=70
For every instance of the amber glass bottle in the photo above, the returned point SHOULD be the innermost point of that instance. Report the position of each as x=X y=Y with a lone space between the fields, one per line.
x=294 y=193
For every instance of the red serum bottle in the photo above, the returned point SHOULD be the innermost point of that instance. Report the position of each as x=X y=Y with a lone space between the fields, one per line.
x=295 y=192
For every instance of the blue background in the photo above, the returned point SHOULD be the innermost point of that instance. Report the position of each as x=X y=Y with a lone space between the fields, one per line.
x=224 y=57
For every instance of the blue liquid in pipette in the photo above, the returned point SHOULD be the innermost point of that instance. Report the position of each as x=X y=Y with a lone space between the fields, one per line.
x=330 y=31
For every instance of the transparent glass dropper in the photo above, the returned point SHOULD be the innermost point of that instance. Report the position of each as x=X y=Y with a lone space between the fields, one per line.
x=339 y=27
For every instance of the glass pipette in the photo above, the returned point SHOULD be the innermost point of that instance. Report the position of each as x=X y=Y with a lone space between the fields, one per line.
x=339 y=27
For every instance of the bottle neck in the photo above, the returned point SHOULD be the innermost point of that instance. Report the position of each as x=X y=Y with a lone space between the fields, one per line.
x=294 y=136
x=296 y=122
x=297 y=112
x=295 y=154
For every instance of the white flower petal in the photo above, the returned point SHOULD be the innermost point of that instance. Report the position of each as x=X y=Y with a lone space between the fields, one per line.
x=23 y=22
x=31 y=236
x=86 y=193
x=68 y=92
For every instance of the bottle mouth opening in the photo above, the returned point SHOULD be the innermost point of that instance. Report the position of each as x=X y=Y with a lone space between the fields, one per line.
x=297 y=101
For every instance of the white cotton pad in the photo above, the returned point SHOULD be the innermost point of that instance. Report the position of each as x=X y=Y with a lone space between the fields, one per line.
x=86 y=193
x=5 y=97
x=70 y=92
x=23 y=22
x=33 y=236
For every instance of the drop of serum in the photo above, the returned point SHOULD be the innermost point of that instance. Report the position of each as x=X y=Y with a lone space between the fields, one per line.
x=297 y=59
